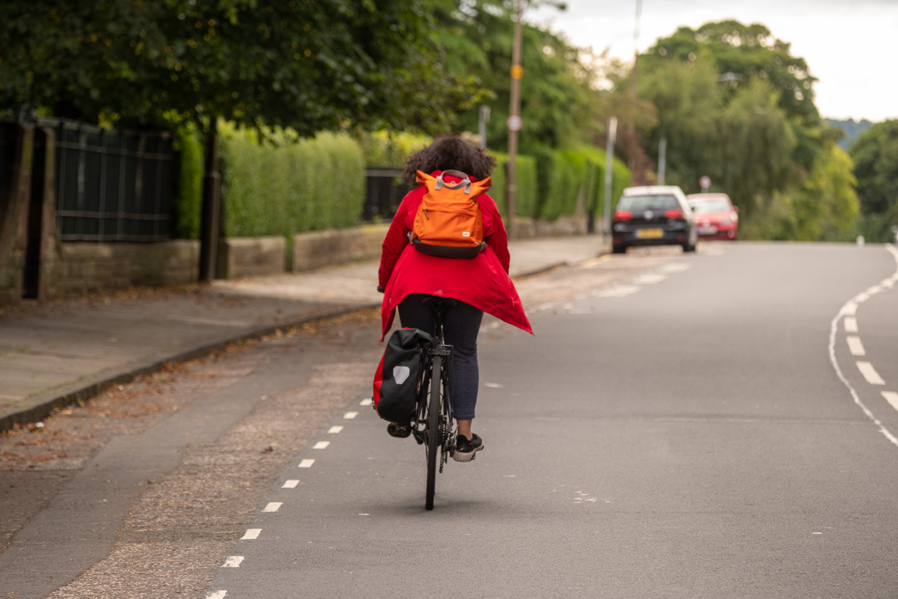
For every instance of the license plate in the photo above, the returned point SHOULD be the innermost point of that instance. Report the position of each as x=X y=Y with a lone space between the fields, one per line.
x=650 y=233
x=707 y=230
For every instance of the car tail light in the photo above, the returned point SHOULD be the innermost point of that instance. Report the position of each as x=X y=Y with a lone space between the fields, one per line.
x=674 y=214
x=622 y=215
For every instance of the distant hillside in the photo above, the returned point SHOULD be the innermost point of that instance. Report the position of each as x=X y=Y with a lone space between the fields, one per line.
x=851 y=128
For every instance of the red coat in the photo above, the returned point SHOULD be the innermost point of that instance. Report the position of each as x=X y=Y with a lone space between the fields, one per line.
x=482 y=282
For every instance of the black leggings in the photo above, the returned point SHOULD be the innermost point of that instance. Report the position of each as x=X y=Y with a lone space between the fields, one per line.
x=461 y=325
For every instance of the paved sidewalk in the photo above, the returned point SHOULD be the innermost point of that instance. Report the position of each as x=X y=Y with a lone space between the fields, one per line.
x=55 y=354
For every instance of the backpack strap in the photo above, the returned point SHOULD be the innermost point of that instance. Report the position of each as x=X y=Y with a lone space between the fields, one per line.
x=465 y=181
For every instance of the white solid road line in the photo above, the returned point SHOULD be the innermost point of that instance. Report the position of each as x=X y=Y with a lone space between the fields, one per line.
x=891 y=397
x=870 y=373
x=850 y=310
x=855 y=346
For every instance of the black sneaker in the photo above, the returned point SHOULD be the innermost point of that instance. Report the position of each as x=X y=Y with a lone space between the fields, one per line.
x=465 y=450
x=400 y=431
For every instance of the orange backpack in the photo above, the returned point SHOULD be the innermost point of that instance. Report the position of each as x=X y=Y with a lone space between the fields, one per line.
x=448 y=223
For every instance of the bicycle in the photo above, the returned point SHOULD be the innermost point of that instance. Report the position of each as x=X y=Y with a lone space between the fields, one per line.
x=433 y=425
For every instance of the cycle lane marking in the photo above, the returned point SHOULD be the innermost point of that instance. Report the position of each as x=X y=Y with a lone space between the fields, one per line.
x=849 y=309
x=870 y=373
x=855 y=346
x=234 y=561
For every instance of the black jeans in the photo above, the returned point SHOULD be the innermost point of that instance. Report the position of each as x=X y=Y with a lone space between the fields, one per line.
x=461 y=325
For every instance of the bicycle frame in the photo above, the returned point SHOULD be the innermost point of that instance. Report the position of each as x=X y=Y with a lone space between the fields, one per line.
x=434 y=426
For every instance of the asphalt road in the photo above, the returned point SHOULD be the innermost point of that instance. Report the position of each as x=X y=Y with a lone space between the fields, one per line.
x=712 y=425
x=699 y=429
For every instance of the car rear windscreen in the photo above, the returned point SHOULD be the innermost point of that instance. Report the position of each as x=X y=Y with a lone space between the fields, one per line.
x=709 y=206
x=653 y=202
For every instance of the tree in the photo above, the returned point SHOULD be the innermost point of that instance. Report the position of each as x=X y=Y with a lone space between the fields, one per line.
x=307 y=64
x=875 y=155
x=477 y=36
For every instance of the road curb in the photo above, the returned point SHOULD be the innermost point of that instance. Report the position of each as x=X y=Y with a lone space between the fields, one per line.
x=39 y=406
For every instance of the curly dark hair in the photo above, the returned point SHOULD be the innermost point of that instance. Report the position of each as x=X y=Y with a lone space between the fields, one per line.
x=450 y=153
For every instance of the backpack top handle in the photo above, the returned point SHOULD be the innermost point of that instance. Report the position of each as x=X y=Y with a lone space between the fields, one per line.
x=465 y=181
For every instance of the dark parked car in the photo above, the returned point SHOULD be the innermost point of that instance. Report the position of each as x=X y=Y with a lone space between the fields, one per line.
x=715 y=215
x=657 y=215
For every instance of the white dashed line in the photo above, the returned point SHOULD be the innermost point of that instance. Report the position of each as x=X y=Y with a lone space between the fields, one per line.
x=306 y=463
x=619 y=291
x=350 y=415
x=366 y=402
x=321 y=445
x=290 y=484
x=855 y=346
x=233 y=561
x=675 y=267
x=891 y=397
x=272 y=507
x=850 y=324
x=251 y=534
x=870 y=373
x=850 y=309
x=334 y=430
x=649 y=279
x=216 y=594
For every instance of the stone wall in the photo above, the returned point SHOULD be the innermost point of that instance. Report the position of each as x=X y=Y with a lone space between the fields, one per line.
x=251 y=257
x=80 y=268
x=329 y=248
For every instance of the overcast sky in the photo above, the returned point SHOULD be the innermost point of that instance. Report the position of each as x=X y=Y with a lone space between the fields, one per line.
x=849 y=45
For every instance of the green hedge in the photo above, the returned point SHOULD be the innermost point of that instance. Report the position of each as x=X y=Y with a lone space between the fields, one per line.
x=287 y=187
x=525 y=181
x=188 y=205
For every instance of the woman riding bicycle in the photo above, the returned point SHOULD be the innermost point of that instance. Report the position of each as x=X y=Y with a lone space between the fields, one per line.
x=480 y=284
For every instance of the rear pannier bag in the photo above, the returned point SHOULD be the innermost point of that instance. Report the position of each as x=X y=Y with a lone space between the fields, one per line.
x=398 y=376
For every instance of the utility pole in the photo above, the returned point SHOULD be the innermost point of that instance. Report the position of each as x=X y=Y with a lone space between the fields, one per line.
x=609 y=166
x=631 y=146
x=514 y=122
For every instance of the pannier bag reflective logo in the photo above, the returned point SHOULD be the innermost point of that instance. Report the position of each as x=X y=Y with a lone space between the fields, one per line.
x=398 y=375
x=449 y=223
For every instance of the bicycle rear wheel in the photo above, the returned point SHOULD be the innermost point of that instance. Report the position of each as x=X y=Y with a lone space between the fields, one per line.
x=433 y=430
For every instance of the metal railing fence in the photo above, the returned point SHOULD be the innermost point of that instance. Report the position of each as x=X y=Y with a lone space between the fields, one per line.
x=113 y=185
x=384 y=191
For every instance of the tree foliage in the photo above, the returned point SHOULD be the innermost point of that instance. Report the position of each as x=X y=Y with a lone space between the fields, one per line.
x=734 y=104
x=307 y=64
x=875 y=155
x=477 y=37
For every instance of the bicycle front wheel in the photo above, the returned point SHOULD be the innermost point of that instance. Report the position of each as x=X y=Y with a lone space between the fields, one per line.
x=433 y=431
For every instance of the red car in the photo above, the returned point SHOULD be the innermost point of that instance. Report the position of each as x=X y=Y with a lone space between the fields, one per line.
x=715 y=215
